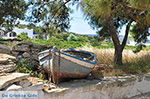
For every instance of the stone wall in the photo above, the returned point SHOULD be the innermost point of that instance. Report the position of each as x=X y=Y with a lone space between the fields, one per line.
x=28 y=51
x=108 y=88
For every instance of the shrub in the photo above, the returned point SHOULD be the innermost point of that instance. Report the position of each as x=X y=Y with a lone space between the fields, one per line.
x=3 y=42
x=24 y=37
x=53 y=41
x=72 y=37
x=24 y=67
x=83 y=39
x=40 y=41
x=71 y=44
x=62 y=36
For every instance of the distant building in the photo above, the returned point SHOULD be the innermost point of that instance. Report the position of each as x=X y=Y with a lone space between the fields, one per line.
x=16 y=31
x=25 y=30
x=7 y=35
x=45 y=36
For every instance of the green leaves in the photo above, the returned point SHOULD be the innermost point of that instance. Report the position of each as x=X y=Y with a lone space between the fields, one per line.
x=72 y=37
x=23 y=37
x=140 y=4
x=11 y=10
x=97 y=7
x=52 y=14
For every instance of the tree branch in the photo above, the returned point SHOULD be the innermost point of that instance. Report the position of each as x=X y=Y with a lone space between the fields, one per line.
x=126 y=34
x=60 y=8
x=113 y=33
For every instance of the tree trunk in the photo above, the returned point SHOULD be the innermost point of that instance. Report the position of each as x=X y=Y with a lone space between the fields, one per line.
x=118 y=56
x=118 y=47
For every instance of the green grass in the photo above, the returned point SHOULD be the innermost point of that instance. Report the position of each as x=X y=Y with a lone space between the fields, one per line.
x=146 y=48
x=40 y=41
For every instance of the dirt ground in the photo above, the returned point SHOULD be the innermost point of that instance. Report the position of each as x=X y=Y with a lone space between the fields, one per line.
x=142 y=96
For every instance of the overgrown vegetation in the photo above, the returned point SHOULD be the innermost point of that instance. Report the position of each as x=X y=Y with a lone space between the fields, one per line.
x=23 y=36
x=133 y=62
x=25 y=67
x=109 y=15
x=71 y=40
x=64 y=40
x=112 y=15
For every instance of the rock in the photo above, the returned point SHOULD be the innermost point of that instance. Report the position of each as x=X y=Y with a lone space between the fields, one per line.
x=5 y=49
x=97 y=72
x=29 y=46
x=19 y=57
x=25 y=83
x=34 y=80
x=7 y=63
x=14 y=53
x=22 y=48
x=26 y=55
x=25 y=43
x=52 y=86
x=2 y=61
x=5 y=58
x=13 y=87
x=7 y=68
x=11 y=78
x=28 y=52
x=10 y=57
x=47 y=87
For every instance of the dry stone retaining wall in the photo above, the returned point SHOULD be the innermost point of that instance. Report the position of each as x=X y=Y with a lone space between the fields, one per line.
x=108 y=88
x=130 y=87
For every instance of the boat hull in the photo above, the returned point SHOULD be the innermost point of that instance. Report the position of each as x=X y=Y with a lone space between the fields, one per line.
x=61 y=66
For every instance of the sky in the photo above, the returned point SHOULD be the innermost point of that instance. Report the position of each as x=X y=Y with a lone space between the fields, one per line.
x=78 y=23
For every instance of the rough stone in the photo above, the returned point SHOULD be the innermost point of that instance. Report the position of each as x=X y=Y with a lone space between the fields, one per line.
x=3 y=61
x=5 y=49
x=48 y=87
x=28 y=51
x=108 y=88
x=7 y=68
x=11 y=78
x=6 y=57
x=13 y=87
x=25 y=43
x=26 y=55
x=20 y=48
x=25 y=83
x=7 y=63
x=97 y=74
x=28 y=47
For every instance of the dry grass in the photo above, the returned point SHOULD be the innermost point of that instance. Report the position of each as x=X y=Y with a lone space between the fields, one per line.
x=133 y=62
x=105 y=56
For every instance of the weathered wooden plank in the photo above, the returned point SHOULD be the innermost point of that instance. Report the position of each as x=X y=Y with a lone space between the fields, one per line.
x=11 y=78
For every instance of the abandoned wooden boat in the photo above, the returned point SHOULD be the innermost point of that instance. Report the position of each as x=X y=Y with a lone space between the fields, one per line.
x=69 y=63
